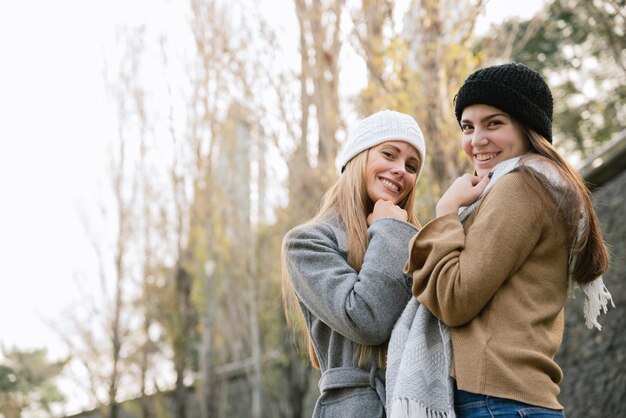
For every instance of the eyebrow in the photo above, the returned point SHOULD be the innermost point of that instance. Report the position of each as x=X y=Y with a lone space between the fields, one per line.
x=486 y=118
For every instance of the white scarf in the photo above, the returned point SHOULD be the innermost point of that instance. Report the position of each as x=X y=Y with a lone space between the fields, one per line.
x=420 y=349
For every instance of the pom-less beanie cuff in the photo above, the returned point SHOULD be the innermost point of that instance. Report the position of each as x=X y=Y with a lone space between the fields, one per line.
x=386 y=125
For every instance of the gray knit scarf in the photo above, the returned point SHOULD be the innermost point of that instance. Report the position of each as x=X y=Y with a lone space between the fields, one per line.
x=420 y=350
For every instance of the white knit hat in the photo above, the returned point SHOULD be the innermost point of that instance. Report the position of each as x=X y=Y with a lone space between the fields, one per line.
x=386 y=125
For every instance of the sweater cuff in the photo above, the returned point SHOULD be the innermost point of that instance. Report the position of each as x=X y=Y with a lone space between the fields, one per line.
x=391 y=237
x=444 y=226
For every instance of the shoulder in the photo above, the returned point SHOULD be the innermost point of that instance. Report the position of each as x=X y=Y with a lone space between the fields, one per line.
x=324 y=231
x=519 y=185
x=308 y=242
x=517 y=193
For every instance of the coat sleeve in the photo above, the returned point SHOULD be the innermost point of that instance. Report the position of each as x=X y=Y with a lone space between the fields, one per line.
x=457 y=272
x=363 y=306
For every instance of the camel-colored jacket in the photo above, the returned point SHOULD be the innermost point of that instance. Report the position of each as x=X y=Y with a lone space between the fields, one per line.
x=499 y=281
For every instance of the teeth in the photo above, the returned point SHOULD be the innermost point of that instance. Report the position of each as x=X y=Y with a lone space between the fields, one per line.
x=485 y=157
x=390 y=185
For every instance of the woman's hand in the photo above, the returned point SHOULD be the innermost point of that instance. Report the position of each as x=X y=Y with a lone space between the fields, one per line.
x=462 y=192
x=386 y=209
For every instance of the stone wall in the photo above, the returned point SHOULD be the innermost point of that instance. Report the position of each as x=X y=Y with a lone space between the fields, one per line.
x=594 y=362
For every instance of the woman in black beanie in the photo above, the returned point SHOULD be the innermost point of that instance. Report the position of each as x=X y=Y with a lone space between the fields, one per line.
x=508 y=242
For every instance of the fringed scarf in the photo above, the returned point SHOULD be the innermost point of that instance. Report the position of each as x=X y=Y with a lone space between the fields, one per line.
x=420 y=350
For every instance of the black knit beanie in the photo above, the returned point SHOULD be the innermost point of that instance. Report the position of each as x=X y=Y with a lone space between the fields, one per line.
x=514 y=88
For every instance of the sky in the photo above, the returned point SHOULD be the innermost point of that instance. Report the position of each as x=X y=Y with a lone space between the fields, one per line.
x=55 y=119
x=51 y=132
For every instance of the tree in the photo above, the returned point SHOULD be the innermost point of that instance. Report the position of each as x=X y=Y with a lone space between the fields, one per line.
x=417 y=70
x=99 y=331
x=124 y=188
x=228 y=146
x=27 y=382
x=320 y=46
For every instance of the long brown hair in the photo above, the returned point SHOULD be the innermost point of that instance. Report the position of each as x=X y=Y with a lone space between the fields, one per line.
x=590 y=250
x=348 y=201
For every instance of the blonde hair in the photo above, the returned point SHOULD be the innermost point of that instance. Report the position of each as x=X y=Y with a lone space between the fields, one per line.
x=592 y=255
x=347 y=200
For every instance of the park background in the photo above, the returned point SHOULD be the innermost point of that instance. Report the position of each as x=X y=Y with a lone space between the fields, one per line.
x=153 y=154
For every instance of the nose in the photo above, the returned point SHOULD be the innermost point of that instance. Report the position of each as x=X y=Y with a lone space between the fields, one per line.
x=479 y=138
x=398 y=168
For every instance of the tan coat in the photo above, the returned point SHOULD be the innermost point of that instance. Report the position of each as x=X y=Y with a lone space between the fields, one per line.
x=500 y=282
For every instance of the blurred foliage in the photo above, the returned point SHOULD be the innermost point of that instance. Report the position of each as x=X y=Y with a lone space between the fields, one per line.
x=8 y=379
x=27 y=382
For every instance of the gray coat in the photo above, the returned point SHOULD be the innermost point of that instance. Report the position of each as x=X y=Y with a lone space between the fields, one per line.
x=342 y=307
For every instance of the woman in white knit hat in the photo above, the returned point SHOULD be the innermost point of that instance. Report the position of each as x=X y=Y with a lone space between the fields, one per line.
x=343 y=280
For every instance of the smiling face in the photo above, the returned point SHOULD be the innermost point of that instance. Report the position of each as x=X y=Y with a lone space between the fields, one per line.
x=490 y=136
x=391 y=171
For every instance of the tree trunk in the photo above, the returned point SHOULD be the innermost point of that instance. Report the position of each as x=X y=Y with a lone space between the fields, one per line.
x=206 y=347
x=181 y=346
x=433 y=82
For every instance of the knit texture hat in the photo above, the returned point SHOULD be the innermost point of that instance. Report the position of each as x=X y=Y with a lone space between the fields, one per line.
x=514 y=88
x=386 y=125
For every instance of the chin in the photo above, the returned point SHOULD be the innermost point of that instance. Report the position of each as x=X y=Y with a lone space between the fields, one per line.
x=397 y=200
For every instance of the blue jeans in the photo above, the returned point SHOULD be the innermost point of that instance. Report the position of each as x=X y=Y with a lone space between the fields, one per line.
x=472 y=405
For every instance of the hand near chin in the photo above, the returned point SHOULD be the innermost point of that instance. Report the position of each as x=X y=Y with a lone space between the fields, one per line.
x=386 y=209
x=462 y=192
